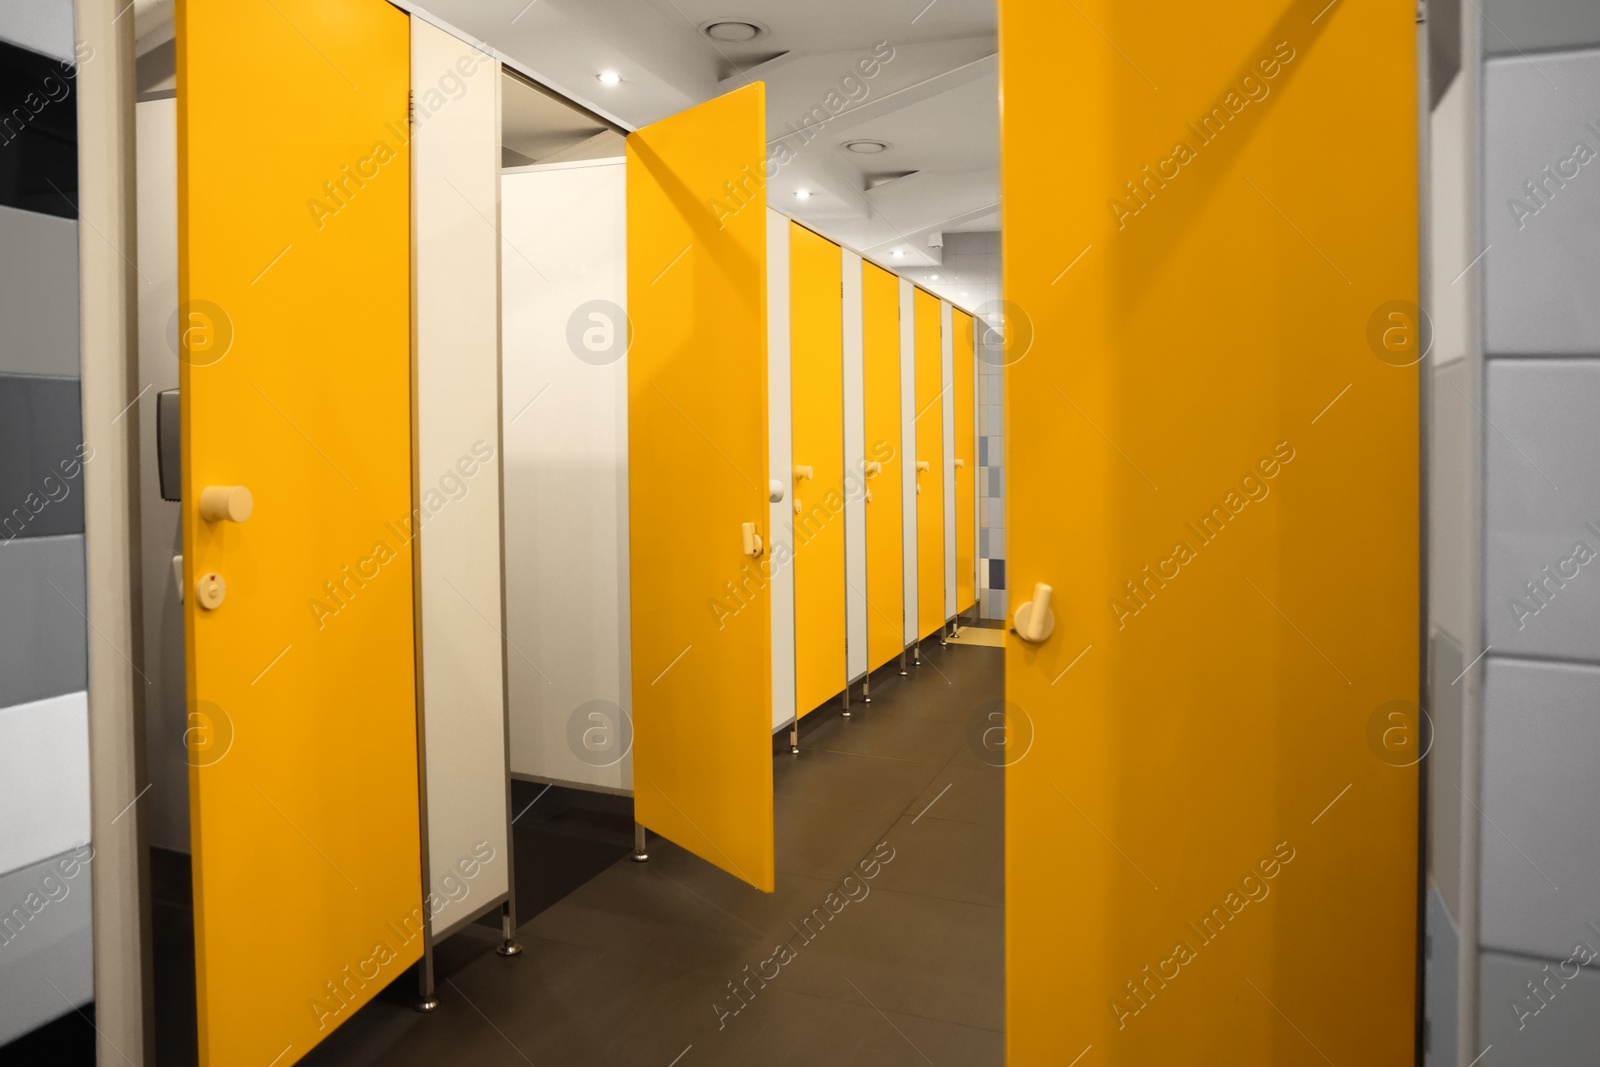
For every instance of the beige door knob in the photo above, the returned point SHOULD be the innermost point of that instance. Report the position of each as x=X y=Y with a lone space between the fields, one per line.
x=226 y=503
x=922 y=465
x=209 y=591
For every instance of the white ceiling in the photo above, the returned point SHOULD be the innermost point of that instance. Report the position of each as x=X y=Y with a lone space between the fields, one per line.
x=935 y=102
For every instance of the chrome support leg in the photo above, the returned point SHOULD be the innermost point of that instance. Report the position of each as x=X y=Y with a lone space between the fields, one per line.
x=508 y=931
x=640 y=854
x=794 y=737
x=866 y=689
x=427 y=1000
x=846 y=711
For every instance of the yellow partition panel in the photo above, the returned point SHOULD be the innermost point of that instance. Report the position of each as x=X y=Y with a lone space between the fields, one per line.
x=930 y=460
x=697 y=454
x=294 y=282
x=965 y=454
x=816 y=319
x=885 y=518
x=1212 y=439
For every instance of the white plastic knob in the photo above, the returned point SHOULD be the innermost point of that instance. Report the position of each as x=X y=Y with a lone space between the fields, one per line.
x=1033 y=621
x=226 y=503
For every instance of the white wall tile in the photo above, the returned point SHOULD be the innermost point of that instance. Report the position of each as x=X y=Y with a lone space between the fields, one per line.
x=1543 y=492
x=44 y=779
x=1539 y=851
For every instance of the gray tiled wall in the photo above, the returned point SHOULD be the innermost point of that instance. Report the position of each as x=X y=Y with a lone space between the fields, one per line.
x=44 y=944
x=45 y=952
x=1519 y=27
x=1539 y=849
x=991 y=494
x=1552 y=1025
x=38 y=339
x=42 y=629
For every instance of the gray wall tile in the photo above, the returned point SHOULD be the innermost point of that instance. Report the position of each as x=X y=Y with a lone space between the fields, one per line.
x=1443 y=974
x=41 y=477
x=1562 y=1033
x=42 y=25
x=38 y=294
x=1444 y=777
x=42 y=631
x=1534 y=25
x=54 y=944
x=1535 y=110
x=1543 y=491
x=1540 y=842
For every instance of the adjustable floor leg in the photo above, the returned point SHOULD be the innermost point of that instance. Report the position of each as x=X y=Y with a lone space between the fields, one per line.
x=508 y=931
x=640 y=855
x=427 y=1000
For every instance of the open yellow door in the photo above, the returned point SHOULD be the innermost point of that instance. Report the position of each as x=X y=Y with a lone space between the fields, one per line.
x=697 y=454
x=1211 y=852
x=964 y=452
x=294 y=260
x=880 y=316
x=930 y=463
x=817 y=374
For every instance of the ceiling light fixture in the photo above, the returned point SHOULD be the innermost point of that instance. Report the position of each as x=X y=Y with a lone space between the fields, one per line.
x=867 y=147
x=608 y=77
x=802 y=194
x=933 y=277
x=898 y=253
x=733 y=31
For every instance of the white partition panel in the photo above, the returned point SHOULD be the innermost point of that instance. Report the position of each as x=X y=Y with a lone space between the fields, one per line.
x=781 y=459
x=564 y=261
x=457 y=472
x=947 y=364
x=855 y=465
x=908 y=450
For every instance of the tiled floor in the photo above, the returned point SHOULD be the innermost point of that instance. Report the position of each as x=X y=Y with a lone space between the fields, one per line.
x=630 y=967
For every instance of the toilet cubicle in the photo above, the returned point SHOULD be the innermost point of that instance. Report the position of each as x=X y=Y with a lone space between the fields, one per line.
x=604 y=591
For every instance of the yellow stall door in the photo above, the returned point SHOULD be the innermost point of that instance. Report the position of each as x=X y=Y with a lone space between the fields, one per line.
x=1211 y=809
x=930 y=459
x=817 y=377
x=885 y=519
x=294 y=328
x=965 y=454
x=697 y=454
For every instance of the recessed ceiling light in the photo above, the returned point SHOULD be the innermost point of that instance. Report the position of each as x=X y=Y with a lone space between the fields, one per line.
x=933 y=277
x=608 y=77
x=867 y=147
x=802 y=194
x=898 y=253
x=733 y=31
